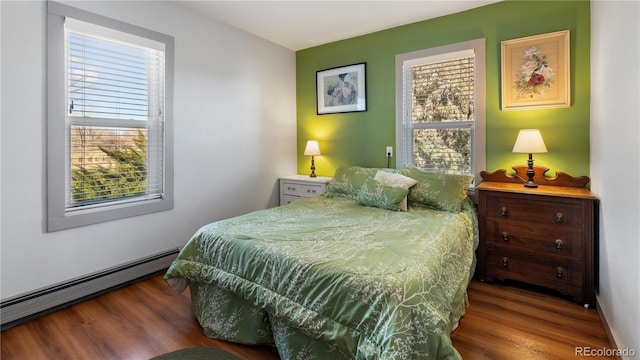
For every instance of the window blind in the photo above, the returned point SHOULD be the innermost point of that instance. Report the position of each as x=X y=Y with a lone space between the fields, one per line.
x=114 y=93
x=439 y=111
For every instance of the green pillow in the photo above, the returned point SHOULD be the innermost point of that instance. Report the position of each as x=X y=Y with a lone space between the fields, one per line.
x=348 y=180
x=377 y=194
x=437 y=190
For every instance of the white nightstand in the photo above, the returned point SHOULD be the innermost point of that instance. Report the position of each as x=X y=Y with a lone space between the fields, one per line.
x=296 y=187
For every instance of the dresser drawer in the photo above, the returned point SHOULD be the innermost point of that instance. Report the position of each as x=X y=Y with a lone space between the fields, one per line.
x=539 y=269
x=530 y=210
x=549 y=239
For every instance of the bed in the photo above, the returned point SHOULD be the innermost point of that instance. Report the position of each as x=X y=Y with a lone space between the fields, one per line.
x=376 y=268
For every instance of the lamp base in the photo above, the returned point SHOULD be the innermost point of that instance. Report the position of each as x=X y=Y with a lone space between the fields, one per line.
x=313 y=168
x=530 y=173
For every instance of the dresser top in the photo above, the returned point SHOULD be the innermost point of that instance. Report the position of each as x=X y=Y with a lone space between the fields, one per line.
x=544 y=190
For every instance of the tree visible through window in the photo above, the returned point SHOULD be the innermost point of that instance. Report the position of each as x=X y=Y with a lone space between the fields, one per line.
x=109 y=119
x=440 y=102
x=443 y=114
x=114 y=97
x=107 y=164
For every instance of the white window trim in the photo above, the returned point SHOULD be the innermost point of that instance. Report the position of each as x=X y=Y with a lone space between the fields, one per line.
x=58 y=218
x=479 y=135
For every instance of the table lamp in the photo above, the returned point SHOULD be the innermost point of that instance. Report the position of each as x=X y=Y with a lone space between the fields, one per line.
x=312 y=149
x=529 y=141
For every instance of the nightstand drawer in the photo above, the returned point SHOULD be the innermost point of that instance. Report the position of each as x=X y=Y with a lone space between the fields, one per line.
x=551 y=239
x=288 y=199
x=530 y=210
x=302 y=190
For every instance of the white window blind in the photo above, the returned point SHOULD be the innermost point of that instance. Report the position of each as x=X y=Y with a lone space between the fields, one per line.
x=109 y=119
x=114 y=121
x=440 y=108
x=440 y=111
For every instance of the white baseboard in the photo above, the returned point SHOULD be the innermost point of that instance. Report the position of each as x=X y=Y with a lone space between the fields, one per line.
x=40 y=301
x=605 y=324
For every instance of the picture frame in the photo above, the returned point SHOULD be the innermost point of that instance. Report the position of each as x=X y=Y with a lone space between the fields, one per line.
x=536 y=72
x=341 y=89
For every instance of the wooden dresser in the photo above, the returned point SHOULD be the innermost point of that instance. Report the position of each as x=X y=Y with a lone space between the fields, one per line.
x=543 y=236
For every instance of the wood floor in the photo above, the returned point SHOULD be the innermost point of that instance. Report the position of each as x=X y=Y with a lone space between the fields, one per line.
x=146 y=319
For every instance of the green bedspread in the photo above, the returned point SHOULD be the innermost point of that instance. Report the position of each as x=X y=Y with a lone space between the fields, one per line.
x=326 y=278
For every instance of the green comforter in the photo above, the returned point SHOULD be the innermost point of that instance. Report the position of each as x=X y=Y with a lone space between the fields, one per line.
x=326 y=278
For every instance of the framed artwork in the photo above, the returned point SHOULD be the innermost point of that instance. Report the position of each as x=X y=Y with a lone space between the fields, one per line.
x=341 y=89
x=535 y=72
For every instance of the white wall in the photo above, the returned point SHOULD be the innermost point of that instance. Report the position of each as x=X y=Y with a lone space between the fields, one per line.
x=234 y=134
x=615 y=162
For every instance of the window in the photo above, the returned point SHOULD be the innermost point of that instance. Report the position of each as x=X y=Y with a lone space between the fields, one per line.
x=440 y=108
x=109 y=119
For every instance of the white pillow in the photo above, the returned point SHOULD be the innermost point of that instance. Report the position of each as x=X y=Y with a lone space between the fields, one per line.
x=396 y=180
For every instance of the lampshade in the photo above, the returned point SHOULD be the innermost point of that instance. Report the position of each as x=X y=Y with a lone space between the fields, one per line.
x=529 y=141
x=312 y=148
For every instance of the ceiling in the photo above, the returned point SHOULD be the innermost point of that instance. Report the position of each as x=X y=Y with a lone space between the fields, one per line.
x=302 y=24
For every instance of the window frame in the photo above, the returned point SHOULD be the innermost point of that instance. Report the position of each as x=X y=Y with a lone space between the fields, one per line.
x=479 y=129
x=58 y=216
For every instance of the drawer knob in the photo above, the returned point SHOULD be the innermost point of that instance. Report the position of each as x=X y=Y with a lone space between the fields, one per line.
x=559 y=244
x=559 y=217
x=503 y=211
x=505 y=236
x=505 y=262
x=559 y=272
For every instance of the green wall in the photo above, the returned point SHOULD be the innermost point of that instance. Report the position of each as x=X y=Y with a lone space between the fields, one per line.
x=360 y=138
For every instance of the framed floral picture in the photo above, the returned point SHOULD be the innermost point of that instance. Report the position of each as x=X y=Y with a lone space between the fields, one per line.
x=341 y=89
x=535 y=72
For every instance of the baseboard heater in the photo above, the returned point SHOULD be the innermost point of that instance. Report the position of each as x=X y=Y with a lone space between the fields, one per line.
x=24 y=307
